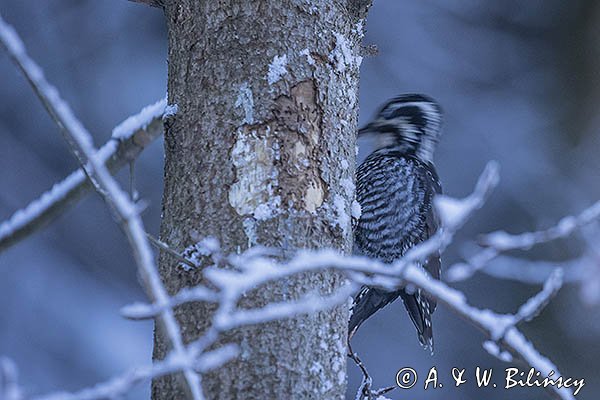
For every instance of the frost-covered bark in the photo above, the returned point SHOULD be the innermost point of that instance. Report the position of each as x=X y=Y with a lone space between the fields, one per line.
x=262 y=151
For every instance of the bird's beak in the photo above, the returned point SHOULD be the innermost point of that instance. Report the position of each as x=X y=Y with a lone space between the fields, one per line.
x=365 y=129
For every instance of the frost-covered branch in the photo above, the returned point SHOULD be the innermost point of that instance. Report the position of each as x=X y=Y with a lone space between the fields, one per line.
x=126 y=213
x=257 y=267
x=173 y=363
x=129 y=139
x=501 y=329
x=495 y=243
x=532 y=307
x=535 y=272
x=503 y=241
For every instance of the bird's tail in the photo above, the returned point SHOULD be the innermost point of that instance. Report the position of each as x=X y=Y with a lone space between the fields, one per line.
x=419 y=309
x=366 y=303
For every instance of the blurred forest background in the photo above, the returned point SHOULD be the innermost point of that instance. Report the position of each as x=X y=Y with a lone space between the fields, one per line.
x=519 y=82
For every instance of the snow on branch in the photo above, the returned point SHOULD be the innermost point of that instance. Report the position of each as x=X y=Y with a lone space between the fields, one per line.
x=129 y=139
x=503 y=241
x=126 y=213
x=173 y=363
x=532 y=307
x=535 y=272
x=495 y=243
x=140 y=311
x=256 y=267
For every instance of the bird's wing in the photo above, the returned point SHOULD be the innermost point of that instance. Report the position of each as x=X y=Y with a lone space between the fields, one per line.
x=433 y=265
x=418 y=305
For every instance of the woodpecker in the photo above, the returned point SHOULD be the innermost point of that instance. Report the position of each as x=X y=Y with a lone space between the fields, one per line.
x=395 y=186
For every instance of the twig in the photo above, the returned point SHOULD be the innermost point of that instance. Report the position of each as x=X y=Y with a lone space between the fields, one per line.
x=489 y=322
x=80 y=142
x=275 y=311
x=120 y=385
x=532 y=307
x=164 y=247
x=365 y=390
x=503 y=241
x=134 y=135
x=496 y=243
x=536 y=272
x=141 y=311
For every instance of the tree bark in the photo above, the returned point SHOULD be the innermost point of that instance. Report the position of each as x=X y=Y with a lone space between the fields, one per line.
x=262 y=151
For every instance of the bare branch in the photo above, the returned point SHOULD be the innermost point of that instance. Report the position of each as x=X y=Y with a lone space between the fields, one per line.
x=126 y=213
x=130 y=138
x=163 y=247
x=529 y=310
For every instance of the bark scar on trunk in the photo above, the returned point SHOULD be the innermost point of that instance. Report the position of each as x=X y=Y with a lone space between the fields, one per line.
x=266 y=176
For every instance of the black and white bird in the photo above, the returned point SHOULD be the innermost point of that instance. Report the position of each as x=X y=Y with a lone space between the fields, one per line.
x=395 y=187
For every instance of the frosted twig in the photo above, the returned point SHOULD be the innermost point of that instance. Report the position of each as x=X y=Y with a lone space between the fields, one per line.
x=532 y=307
x=134 y=135
x=503 y=241
x=498 y=242
x=173 y=363
x=529 y=310
x=536 y=272
x=140 y=311
x=254 y=268
x=126 y=213
x=275 y=311
x=493 y=324
x=196 y=355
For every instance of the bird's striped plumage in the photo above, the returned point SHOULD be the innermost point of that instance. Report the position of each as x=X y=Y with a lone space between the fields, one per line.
x=395 y=188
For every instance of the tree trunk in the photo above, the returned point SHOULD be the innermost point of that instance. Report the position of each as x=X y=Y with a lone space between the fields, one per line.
x=262 y=151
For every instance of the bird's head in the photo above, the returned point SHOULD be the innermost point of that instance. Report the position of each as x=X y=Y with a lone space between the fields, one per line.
x=410 y=123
